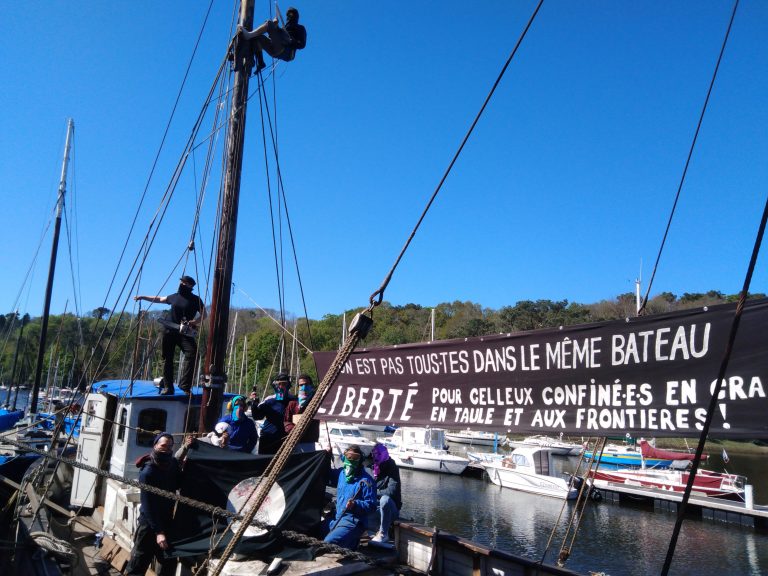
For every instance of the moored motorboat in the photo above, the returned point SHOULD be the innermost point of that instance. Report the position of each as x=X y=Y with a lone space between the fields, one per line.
x=473 y=437
x=530 y=469
x=423 y=449
x=341 y=435
x=706 y=482
x=640 y=454
x=558 y=447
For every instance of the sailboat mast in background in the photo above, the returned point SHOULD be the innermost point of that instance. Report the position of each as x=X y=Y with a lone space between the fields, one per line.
x=51 y=268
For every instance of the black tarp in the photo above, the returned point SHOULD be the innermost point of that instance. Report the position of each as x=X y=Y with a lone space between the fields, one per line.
x=211 y=473
x=651 y=375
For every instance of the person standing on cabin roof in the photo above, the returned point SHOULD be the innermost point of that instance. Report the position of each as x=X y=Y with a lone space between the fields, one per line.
x=187 y=311
x=388 y=490
x=162 y=470
x=296 y=408
x=272 y=410
x=242 y=430
x=355 y=499
x=280 y=43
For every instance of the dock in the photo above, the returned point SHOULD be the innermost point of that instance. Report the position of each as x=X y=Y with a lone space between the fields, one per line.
x=700 y=507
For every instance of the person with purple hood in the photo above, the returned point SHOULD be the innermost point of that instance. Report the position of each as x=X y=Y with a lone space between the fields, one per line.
x=387 y=477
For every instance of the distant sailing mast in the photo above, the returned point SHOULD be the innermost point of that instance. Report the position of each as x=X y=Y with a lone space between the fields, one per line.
x=51 y=269
x=215 y=359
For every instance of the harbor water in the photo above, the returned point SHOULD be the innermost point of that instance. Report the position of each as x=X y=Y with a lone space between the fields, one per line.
x=612 y=539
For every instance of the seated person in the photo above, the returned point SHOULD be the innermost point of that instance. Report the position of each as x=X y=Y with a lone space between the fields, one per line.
x=387 y=476
x=278 y=42
x=220 y=435
x=243 y=435
x=355 y=499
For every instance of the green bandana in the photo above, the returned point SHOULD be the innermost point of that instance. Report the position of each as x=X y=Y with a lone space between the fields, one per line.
x=350 y=468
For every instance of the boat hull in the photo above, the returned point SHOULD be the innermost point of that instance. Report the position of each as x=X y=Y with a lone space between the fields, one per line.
x=527 y=482
x=445 y=463
x=710 y=484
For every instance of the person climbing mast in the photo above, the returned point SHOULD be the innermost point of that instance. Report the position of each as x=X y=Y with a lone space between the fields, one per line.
x=187 y=311
x=280 y=43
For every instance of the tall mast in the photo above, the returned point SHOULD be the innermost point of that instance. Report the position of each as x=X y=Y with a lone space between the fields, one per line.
x=51 y=268
x=215 y=356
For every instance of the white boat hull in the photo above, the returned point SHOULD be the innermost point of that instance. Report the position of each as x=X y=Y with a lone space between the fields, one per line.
x=527 y=482
x=445 y=463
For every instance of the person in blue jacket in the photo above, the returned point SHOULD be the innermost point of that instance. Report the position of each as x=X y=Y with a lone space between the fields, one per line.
x=243 y=435
x=355 y=500
x=161 y=470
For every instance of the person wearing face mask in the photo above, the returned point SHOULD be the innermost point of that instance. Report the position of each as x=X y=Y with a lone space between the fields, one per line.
x=387 y=476
x=187 y=312
x=280 y=43
x=296 y=408
x=355 y=499
x=242 y=430
x=272 y=410
x=161 y=470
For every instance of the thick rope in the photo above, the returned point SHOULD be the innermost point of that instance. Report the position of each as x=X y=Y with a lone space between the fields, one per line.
x=269 y=476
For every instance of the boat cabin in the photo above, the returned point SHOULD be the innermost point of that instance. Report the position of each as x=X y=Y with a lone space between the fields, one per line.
x=120 y=421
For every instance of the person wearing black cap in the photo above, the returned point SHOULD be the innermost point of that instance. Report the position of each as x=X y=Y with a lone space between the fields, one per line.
x=355 y=499
x=272 y=410
x=161 y=470
x=280 y=43
x=187 y=311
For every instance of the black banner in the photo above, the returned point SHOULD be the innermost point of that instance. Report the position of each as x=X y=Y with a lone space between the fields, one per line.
x=652 y=375
x=225 y=478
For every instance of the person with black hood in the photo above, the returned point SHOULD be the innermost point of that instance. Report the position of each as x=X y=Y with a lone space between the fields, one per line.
x=272 y=410
x=187 y=311
x=160 y=469
x=280 y=43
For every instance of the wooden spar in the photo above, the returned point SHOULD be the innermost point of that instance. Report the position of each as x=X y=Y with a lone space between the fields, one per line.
x=51 y=268
x=215 y=358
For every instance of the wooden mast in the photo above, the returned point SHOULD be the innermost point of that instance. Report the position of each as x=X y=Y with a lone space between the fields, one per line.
x=215 y=358
x=51 y=268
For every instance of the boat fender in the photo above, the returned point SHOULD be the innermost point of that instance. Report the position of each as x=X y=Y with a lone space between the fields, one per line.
x=596 y=495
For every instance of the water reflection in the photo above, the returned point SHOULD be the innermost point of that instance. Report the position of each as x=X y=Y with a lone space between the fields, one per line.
x=617 y=540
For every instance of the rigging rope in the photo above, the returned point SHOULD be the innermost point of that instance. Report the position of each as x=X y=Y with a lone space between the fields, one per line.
x=688 y=159
x=712 y=408
x=377 y=297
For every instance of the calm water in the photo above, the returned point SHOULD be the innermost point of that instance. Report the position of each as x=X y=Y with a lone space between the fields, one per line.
x=612 y=539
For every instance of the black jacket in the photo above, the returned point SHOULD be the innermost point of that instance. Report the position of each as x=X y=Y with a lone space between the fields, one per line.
x=388 y=482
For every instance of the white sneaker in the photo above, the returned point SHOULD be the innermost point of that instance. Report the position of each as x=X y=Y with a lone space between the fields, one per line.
x=379 y=537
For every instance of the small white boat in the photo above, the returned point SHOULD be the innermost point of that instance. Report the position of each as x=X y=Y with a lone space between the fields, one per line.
x=474 y=437
x=530 y=469
x=558 y=447
x=423 y=449
x=341 y=435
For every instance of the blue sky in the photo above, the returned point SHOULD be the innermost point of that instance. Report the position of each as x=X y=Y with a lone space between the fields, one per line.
x=563 y=189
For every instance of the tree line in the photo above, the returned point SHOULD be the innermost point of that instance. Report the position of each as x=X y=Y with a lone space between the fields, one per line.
x=101 y=346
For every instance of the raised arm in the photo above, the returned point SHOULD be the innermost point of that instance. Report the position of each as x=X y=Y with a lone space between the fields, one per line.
x=153 y=299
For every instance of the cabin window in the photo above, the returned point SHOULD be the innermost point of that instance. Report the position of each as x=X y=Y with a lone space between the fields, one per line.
x=150 y=420
x=121 y=422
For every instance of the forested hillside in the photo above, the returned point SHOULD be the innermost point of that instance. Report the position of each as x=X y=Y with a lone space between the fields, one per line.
x=105 y=345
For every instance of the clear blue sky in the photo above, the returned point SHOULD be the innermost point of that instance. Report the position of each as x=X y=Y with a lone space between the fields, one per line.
x=564 y=188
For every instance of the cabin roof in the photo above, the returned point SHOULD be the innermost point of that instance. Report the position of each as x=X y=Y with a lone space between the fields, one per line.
x=144 y=389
